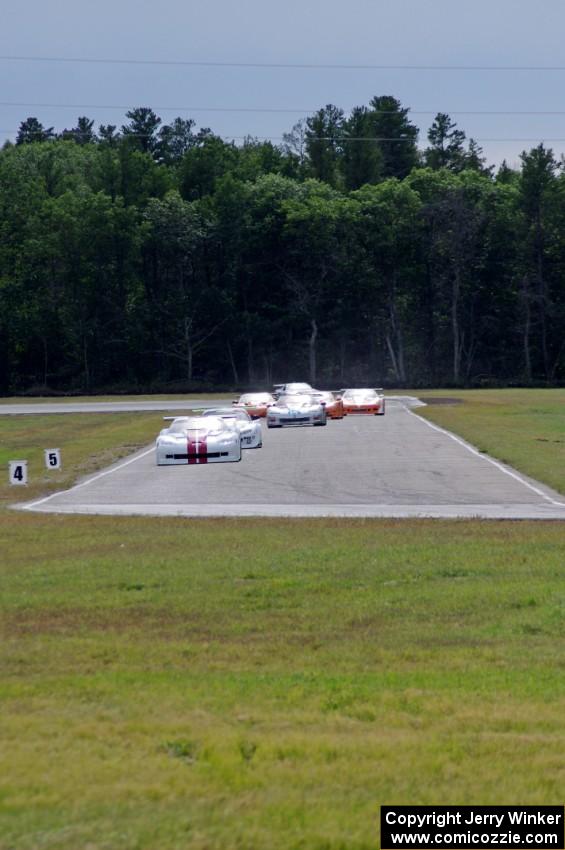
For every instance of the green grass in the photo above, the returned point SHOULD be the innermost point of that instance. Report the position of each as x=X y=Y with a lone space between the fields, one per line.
x=262 y=684
x=88 y=442
x=174 y=684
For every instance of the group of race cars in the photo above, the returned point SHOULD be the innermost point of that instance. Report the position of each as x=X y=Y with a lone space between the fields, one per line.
x=219 y=434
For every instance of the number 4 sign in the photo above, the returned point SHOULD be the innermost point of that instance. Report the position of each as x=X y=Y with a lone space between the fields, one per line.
x=53 y=458
x=18 y=472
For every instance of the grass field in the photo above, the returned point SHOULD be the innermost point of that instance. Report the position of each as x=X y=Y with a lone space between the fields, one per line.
x=88 y=442
x=260 y=684
x=256 y=684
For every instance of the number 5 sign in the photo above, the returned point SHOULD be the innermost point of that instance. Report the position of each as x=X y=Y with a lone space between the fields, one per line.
x=18 y=471
x=53 y=458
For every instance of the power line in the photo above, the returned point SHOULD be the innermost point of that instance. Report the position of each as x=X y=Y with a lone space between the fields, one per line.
x=160 y=108
x=282 y=65
x=259 y=109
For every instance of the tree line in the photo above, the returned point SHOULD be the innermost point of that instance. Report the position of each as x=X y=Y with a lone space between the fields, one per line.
x=157 y=256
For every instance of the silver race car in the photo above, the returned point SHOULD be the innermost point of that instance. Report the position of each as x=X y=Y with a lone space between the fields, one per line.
x=291 y=389
x=296 y=410
x=250 y=431
x=193 y=439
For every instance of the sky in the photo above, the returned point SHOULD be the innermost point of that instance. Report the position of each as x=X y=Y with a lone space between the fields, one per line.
x=234 y=101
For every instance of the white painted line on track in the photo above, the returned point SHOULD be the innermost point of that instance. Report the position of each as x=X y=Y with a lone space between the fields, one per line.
x=360 y=511
x=32 y=505
x=489 y=459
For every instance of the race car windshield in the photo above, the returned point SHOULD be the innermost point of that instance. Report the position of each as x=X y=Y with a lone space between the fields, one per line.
x=360 y=395
x=296 y=399
x=193 y=423
x=261 y=398
x=228 y=413
x=298 y=388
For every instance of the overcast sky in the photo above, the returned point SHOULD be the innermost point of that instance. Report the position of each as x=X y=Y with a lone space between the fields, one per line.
x=354 y=32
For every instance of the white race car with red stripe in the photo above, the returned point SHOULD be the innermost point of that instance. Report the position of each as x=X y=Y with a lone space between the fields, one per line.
x=193 y=439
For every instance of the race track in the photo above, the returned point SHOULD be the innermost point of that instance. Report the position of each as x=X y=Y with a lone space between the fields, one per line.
x=398 y=465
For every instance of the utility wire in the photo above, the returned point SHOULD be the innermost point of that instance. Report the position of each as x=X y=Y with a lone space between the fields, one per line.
x=282 y=65
x=278 y=110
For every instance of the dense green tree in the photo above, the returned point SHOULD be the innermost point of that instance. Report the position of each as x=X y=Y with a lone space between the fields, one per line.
x=397 y=136
x=139 y=176
x=295 y=147
x=456 y=224
x=388 y=225
x=250 y=222
x=362 y=160
x=474 y=158
x=324 y=145
x=184 y=309
x=446 y=148
x=256 y=158
x=108 y=135
x=82 y=134
x=538 y=198
x=506 y=175
x=204 y=164
x=198 y=259
x=142 y=129
x=31 y=130
x=175 y=140
x=312 y=256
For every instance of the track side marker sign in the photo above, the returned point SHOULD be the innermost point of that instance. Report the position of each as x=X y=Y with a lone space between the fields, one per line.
x=17 y=472
x=52 y=458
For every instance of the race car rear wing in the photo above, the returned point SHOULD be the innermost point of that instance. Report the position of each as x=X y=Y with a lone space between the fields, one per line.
x=377 y=389
x=201 y=409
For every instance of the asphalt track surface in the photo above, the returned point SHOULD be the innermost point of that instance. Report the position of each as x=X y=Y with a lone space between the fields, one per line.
x=397 y=465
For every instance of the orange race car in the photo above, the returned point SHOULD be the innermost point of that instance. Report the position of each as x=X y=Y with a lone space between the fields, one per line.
x=332 y=403
x=363 y=401
x=256 y=404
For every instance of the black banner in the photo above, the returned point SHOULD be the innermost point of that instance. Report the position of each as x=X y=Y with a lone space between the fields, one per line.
x=472 y=827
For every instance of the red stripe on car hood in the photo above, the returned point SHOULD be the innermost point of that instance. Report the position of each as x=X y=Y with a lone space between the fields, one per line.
x=197 y=445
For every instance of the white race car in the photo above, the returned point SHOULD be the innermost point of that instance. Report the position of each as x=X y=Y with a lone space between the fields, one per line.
x=296 y=410
x=193 y=439
x=291 y=389
x=250 y=431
